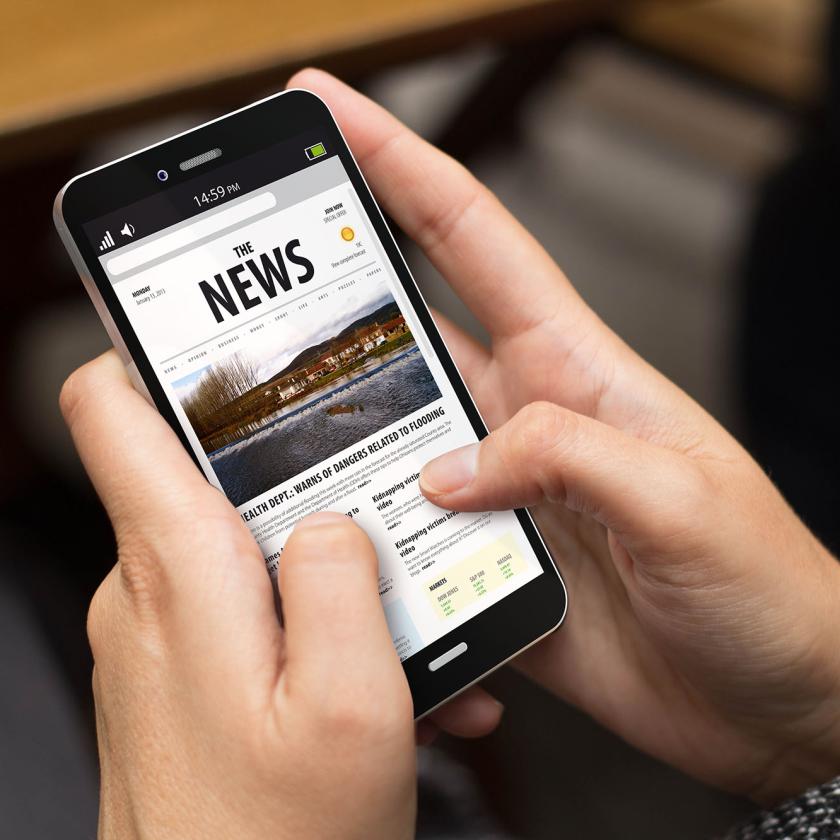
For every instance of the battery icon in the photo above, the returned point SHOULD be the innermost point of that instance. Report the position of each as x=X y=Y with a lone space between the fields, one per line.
x=315 y=151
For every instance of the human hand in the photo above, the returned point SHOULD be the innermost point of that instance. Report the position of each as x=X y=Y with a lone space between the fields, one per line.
x=704 y=616
x=213 y=721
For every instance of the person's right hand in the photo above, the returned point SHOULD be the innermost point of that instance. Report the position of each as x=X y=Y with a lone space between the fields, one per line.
x=705 y=618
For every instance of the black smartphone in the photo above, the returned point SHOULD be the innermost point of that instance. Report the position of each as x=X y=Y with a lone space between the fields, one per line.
x=250 y=283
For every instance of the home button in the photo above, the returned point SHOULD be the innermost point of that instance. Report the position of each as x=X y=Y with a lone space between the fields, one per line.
x=447 y=657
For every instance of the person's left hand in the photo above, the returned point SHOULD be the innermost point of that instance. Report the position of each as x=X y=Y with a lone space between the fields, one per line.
x=213 y=720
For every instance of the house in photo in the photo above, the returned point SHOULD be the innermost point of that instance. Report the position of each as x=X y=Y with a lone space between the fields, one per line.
x=396 y=326
x=372 y=338
x=329 y=359
x=288 y=388
x=318 y=370
x=348 y=352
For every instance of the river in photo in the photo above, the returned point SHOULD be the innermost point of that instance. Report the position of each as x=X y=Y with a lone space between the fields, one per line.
x=350 y=409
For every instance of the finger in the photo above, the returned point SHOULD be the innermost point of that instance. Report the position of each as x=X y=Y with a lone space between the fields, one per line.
x=189 y=569
x=472 y=714
x=471 y=357
x=115 y=431
x=474 y=363
x=337 y=640
x=497 y=268
x=546 y=452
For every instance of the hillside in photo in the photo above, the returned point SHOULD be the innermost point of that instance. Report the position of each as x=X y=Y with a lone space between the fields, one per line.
x=311 y=354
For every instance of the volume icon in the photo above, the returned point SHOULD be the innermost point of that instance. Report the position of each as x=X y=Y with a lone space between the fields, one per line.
x=107 y=241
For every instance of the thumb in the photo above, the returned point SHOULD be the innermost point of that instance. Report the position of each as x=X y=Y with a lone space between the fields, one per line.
x=548 y=453
x=336 y=635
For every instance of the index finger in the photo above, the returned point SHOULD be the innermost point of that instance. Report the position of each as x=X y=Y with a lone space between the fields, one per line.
x=185 y=557
x=497 y=268
x=136 y=462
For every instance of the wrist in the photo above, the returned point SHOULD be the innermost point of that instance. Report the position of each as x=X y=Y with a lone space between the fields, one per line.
x=807 y=744
x=798 y=770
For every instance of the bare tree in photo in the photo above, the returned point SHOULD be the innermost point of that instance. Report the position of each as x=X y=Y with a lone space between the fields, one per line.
x=222 y=384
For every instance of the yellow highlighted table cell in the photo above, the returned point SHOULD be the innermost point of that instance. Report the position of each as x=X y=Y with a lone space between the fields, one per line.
x=475 y=576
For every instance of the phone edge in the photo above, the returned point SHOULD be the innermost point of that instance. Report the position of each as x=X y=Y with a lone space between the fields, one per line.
x=139 y=384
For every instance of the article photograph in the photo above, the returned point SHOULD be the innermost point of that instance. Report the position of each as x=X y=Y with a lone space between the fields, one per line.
x=297 y=393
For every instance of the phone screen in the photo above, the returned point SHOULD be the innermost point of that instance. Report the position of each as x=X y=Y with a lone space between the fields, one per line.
x=303 y=377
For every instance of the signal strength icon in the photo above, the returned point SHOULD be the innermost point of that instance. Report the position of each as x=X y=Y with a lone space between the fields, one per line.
x=107 y=241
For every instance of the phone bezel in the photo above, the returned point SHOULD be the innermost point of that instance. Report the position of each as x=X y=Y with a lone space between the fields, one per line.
x=495 y=635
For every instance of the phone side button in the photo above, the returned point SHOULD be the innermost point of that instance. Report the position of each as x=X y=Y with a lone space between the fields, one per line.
x=447 y=657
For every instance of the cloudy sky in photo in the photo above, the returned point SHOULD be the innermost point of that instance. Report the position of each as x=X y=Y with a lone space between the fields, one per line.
x=271 y=349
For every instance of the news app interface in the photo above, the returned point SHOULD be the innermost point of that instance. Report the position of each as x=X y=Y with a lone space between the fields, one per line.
x=302 y=377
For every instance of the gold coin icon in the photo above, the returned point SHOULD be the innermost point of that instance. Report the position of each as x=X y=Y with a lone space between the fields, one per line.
x=347 y=234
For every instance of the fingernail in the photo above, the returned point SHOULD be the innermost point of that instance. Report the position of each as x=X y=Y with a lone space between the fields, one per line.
x=316 y=520
x=450 y=472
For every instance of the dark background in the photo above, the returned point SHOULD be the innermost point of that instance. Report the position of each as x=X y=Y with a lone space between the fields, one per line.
x=694 y=209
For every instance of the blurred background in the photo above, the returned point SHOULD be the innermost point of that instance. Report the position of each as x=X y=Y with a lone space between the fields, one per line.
x=679 y=160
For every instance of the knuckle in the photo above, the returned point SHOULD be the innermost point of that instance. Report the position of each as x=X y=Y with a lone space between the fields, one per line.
x=99 y=619
x=542 y=426
x=537 y=440
x=217 y=533
x=690 y=493
x=142 y=576
x=96 y=686
x=693 y=486
x=345 y=719
x=361 y=717
x=71 y=394
x=79 y=385
x=153 y=554
x=443 y=219
x=396 y=710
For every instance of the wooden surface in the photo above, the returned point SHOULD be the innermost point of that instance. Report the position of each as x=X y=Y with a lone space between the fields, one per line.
x=73 y=70
x=773 y=46
x=69 y=68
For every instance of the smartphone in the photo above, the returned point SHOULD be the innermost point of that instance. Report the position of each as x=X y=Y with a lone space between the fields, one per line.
x=249 y=281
